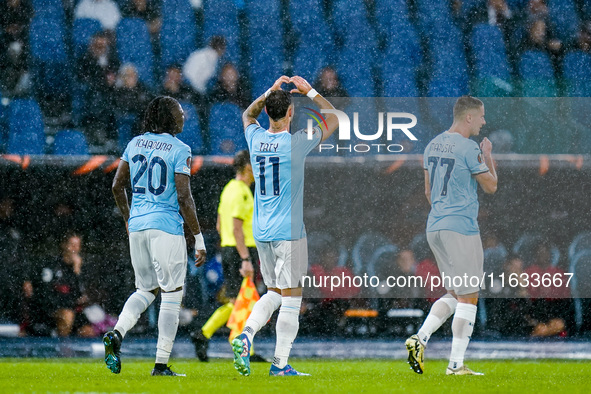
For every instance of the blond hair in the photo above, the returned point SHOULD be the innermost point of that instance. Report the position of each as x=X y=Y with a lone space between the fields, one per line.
x=465 y=104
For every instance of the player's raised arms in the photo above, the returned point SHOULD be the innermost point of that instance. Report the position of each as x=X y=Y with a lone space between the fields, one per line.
x=303 y=87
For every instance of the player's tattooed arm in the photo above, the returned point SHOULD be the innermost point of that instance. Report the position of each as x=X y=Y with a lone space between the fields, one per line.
x=254 y=110
x=188 y=211
x=120 y=181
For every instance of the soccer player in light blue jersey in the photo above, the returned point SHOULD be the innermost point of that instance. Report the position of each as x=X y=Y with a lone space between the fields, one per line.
x=157 y=167
x=277 y=156
x=454 y=167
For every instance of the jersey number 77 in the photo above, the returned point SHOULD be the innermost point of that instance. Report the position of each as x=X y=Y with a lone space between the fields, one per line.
x=443 y=161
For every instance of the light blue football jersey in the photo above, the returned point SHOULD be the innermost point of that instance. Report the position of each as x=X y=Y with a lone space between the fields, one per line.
x=153 y=160
x=452 y=161
x=278 y=165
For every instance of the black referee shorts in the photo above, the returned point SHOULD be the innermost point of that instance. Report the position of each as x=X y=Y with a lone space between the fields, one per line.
x=231 y=264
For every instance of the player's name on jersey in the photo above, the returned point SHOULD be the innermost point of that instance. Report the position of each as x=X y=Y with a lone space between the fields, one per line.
x=443 y=148
x=149 y=144
x=268 y=147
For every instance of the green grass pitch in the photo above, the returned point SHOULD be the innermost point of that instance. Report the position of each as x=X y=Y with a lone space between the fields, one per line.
x=328 y=376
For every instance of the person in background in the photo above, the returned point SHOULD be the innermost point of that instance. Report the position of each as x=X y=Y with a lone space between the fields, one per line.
x=201 y=66
x=584 y=38
x=149 y=11
x=60 y=217
x=495 y=13
x=329 y=84
x=539 y=38
x=509 y=310
x=230 y=87
x=131 y=96
x=97 y=69
x=15 y=19
x=59 y=288
x=105 y=11
x=551 y=306
x=427 y=269
x=404 y=297
x=537 y=9
x=174 y=86
x=234 y=224
x=405 y=266
x=327 y=264
x=146 y=10
x=323 y=312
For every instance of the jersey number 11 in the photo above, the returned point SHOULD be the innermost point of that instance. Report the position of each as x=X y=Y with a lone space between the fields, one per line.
x=274 y=160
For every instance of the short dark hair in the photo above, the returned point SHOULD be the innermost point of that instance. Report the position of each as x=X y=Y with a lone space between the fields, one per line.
x=218 y=43
x=158 y=117
x=464 y=104
x=241 y=160
x=277 y=104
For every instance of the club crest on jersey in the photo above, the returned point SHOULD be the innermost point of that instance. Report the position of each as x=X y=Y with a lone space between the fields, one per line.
x=188 y=166
x=480 y=159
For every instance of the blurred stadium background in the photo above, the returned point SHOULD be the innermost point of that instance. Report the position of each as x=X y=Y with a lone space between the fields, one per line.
x=74 y=84
x=77 y=74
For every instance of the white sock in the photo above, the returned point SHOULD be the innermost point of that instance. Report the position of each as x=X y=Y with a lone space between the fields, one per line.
x=462 y=327
x=261 y=313
x=135 y=305
x=440 y=311
x=288 y=323
x=168 y=323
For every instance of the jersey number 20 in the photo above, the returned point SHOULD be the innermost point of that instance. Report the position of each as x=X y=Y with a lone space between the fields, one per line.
x=274 y=160
x=144 y=166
